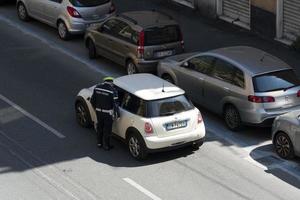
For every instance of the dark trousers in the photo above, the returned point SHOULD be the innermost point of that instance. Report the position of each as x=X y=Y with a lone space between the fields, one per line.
x=104 y=128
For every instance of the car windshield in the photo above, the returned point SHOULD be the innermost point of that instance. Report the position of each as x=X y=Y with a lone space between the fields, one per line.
x=274 y=81
x=88 y=3
x=168 y=106
x=162 y=35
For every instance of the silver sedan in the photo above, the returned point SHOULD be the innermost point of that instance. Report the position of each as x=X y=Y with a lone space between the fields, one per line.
x=286 y=135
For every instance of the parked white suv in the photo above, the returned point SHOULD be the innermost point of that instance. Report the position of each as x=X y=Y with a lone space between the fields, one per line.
x=155 y=115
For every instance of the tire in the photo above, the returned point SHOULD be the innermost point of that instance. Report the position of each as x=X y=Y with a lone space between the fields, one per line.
x=91 y=49
x=22 y=12
x=131 y=68
x=136 y=146
x=284 y=146
x=232 y=118
x=168 y=78
x=63 y=31
x=83 y=116
x=197 y=145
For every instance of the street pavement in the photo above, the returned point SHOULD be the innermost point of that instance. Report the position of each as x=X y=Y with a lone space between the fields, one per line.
x=46 y=155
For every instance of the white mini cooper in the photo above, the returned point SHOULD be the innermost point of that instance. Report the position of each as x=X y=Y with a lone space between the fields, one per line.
x=155 y=115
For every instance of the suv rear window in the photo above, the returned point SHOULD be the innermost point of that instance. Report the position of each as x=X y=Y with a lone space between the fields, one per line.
x=280 y=80
x=162 y=35
x=168 y=106
x=88 y=3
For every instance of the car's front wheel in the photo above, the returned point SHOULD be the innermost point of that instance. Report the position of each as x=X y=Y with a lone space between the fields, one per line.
x=284 y=146
x=136 y=146
x=83 y=115
x=22 y=12
x=232 y=118
x=63 y=31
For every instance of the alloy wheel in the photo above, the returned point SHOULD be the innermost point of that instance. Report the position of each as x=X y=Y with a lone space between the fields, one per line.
x=283 y=146
x=131 y=69
x=134 y=146
x=22 y=12
x=62 y=30
x=81 y=114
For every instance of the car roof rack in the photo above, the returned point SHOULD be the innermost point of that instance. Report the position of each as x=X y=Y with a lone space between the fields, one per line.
x=128 y=18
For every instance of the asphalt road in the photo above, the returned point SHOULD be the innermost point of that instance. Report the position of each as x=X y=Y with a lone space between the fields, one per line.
x=44 y=154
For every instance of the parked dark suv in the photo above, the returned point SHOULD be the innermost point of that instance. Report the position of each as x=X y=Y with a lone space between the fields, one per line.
x=137 y=40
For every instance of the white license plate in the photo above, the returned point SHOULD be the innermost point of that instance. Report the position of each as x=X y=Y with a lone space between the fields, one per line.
x=176 y=125
x=160 y=54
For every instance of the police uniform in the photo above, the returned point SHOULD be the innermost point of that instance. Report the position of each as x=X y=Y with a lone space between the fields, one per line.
x=105 y=102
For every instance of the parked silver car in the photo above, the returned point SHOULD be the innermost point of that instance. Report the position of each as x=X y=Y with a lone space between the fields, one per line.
x=68 y=16
x=286 y=135
x=136 y=40
x=244 y=84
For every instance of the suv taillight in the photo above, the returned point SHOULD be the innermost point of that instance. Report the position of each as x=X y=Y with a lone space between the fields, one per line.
x=298 y=93
x=141 y=44
x=148 y=128
x=112 y=8
x=73 y=12
x=200 y=119
x=261 y=99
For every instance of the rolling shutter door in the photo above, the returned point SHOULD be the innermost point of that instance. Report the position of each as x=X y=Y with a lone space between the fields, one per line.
x=237 y=9
x=291 y=19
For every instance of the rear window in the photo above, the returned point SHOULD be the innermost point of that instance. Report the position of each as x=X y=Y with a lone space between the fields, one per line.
x=88 y=3
x=274 y=81
x=168 y=106
x=162 y=35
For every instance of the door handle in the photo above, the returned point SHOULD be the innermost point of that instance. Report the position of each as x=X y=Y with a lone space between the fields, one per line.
x=226 y=88
x=126 y=46
x=110 y=40
x=201 y=79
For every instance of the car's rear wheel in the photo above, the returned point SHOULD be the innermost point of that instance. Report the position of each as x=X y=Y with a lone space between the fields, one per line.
x=232 y=118
x=22 y=12
x=131 y=67
x=284 y=146
x=63 y=31
x=92 y=49
x=136 y=146
x=168 y=78
x=83 y=115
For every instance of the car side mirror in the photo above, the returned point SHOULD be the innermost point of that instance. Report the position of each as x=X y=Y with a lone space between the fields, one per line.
x=185 y=65
x=100 y=29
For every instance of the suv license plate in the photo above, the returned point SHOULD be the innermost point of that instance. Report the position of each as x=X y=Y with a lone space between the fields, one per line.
x=160 y=54
x=176 y=125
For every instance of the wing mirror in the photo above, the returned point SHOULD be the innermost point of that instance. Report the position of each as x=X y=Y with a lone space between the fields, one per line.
x=185 y=65
x=100 y=29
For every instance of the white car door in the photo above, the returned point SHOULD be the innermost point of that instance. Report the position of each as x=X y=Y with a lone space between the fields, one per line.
x=35 y=8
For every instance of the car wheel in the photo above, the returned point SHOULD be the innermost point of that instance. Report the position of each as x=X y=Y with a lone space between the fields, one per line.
x=63 y=31
x=232 y=118
x=83 y=115
x=284 y=146
x=92 y=49
x=168 y=78
x=131 y=68
x=197 y=145
x=22 y=12
x=136 y=146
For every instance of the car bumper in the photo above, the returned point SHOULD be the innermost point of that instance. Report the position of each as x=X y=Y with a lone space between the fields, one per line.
x=262 y=117
x=78 y=26
x=155 y=143
x=145 y=66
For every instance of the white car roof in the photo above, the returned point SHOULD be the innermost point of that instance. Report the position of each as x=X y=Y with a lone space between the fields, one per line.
x=147 y=86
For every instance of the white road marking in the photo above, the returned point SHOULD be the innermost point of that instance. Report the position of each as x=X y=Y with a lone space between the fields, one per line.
x=30 y=116
x=90 y=64
x=141 y=189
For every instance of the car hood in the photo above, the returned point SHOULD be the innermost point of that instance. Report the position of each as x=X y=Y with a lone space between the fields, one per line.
x=181 y=57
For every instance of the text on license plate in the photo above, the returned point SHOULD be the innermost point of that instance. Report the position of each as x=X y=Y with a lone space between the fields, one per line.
x=176 y=125
x=160 y=54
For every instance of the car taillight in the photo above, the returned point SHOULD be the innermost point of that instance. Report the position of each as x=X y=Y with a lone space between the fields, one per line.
x=112 y=8
x=200 y=119
x=141 y=44
x=261 y=99
x=148 y=128
x=298 y=93
x=73 y=12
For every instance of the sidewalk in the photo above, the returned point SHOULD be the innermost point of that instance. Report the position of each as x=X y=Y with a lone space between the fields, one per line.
x=201 y=33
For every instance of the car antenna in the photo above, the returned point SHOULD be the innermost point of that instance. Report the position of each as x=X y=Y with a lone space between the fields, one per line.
x=163 y=87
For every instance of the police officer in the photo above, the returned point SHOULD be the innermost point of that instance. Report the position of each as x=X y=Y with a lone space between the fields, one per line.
x=105 y=102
